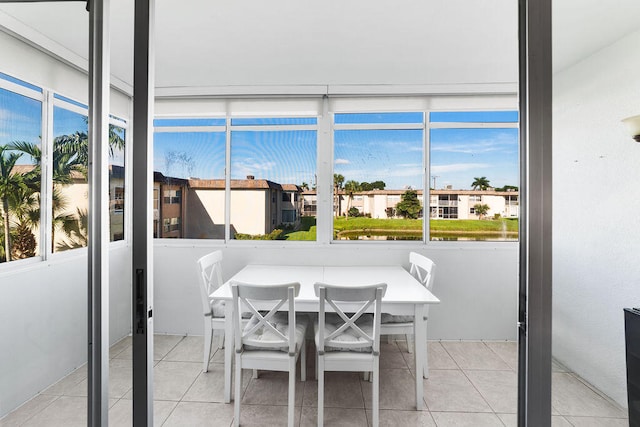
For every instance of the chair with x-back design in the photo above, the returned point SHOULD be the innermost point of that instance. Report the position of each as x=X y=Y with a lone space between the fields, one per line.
x=272 y=339
x=349 y=339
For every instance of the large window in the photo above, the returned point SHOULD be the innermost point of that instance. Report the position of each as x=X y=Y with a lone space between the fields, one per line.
x=272 y=162
x=474 y=175
x=189 y=178
x=378 y=161
x=117 y=138
x=20 y=176
x=242 y=178
x=70 y=187
x=23 y=140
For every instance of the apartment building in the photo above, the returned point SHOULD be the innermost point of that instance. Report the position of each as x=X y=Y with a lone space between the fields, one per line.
x=194 y=208
x=443 y=204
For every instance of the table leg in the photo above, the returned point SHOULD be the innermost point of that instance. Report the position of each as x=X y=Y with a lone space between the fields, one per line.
x=228 y=350
x=420 y=349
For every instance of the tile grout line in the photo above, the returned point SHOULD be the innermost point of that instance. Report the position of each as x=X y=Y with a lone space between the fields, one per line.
x=471 y=382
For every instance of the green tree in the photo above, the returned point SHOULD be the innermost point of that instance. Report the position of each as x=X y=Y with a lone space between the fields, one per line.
x=409 y=206
x=350 y=187
x=24 y=205
x=10 y=184
x=507 y=188
x=338 y=181
x=481 y=210
x=378 y=185
x=304 y=185
x=70 y=154
x=76 y=230
x=481 y=183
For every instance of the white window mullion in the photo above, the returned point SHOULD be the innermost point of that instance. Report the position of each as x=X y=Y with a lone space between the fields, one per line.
x=426 y=193
x=324 y=185
x=227 y=183
x=46 y=183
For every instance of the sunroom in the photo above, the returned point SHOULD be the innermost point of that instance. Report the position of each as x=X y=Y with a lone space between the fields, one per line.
x=331 y=134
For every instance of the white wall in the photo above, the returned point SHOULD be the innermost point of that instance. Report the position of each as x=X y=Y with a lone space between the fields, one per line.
x=43 y=321
x=476 y=281
x=596 y=232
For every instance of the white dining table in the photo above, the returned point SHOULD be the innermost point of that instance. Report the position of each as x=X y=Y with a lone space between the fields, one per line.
x=404 y=296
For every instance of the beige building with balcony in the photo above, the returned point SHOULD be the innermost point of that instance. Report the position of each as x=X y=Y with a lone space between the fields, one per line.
x=443 y=204
x=258 y=206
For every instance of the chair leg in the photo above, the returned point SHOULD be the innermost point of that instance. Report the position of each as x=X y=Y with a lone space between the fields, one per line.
x=221 y=339
x=365 y=376
x=303 y=362
x=409 y=343
x=426 y=359
x=208 y=336
x=236 y=409
x=255 y=374
x=292 y=390
x=389 y=339
x=375 y=395
x=320 y=376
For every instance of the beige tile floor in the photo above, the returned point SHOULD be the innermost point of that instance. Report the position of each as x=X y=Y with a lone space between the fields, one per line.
x=471 y=384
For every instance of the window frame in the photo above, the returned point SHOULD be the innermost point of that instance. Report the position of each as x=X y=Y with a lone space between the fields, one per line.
x=382 y=126
x=50 y=98
x=325 y=147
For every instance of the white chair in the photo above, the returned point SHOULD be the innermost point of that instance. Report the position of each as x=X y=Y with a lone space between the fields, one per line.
x=423 y=269
x=271 y=341
x=209 y=267
x=348 y=341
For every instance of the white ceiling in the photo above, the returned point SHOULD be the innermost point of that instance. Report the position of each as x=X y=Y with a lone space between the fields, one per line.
x=291 y=42
x=582 y=27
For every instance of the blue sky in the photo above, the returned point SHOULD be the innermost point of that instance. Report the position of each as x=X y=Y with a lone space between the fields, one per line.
x=20 y=120
x=393 y=156
x=460 y=155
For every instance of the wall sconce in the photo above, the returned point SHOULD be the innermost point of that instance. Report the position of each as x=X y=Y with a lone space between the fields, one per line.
x=633 y=124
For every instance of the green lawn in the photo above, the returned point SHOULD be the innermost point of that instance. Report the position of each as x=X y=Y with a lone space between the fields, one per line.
x=364 y=223
x=474 y=225
x=410 y=228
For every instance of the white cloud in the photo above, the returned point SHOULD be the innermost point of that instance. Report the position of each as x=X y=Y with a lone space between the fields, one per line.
x=342 y=162
x=500 y=142
x=252 y=167
x=458 y=167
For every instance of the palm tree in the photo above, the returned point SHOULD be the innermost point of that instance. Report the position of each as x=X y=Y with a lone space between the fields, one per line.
x=65 y=162
x=350 y=187
x=25 y=206
x=76 y=229
x=78 y=143
x=10 y=184
x=481 y=183
x=338 y=181
x=481 y=210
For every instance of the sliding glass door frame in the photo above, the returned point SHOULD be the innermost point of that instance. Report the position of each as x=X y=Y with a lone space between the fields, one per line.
x=534 y=323
x=535 y=288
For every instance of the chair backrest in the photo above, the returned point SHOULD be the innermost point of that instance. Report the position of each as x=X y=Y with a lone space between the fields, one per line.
x=210 y=272
x=334 y=295
x=271 y=338
x=423 y=269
